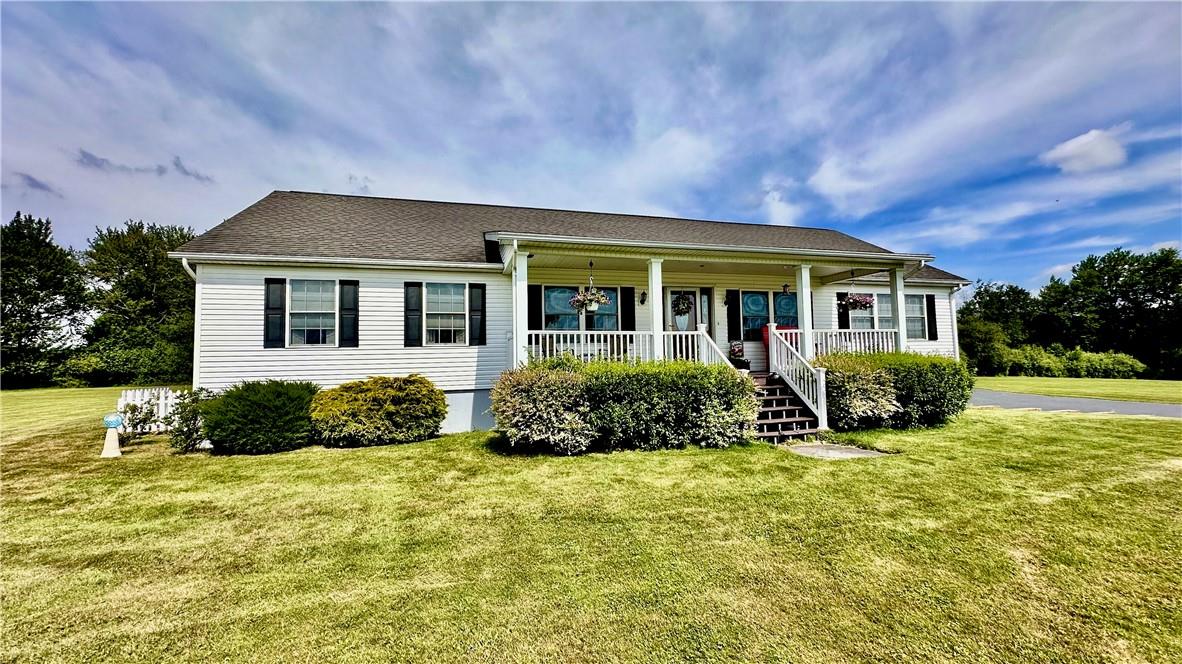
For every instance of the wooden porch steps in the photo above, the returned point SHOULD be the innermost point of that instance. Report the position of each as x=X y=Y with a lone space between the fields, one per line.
x=783 y=417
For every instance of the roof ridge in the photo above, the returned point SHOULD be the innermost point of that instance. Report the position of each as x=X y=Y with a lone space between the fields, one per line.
x=591 y=212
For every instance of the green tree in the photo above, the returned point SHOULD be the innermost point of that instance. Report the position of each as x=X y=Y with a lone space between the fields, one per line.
x=42 y=301
x=1012 y=307
x=144 y=328
x=984 y=345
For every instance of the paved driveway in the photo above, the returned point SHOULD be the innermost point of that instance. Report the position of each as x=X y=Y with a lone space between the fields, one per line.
x=1082 y=404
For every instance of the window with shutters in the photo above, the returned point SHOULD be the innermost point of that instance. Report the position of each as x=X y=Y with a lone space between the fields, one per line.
x=313 y=312
x=446 y=314
x=755 y=314
x=917 y=317
x=558 y=314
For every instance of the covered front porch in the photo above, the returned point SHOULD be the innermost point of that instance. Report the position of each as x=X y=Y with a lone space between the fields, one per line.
x=679 y=304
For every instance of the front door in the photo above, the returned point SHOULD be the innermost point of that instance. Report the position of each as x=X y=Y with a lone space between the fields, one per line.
x=681 y=309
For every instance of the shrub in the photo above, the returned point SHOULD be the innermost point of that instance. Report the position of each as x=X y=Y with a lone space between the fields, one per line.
x=569 y=406
x=137 y=419
x=378 y=410
x=929 y=390
x=655 y=405
x=260 y=417
x=185 y=433
x=857 y=396
x=1034 y=361
x=984 y=345
x=110 y=365
x=1082 y=364
x=543 y=410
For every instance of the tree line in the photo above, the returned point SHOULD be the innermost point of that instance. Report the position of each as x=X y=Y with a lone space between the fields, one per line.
x=1120 y=302
x=118 y=312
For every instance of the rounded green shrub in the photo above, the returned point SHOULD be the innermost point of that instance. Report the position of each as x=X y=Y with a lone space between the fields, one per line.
x=543 y=410
x=928 y=390
x=260 y=417
x=378 y=411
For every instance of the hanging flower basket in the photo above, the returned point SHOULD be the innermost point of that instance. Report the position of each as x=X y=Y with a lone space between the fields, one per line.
x=588 y=300
x=858 y=301
x=682 y=304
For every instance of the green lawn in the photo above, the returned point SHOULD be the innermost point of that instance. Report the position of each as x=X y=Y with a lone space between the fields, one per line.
x=1157 y=391
x=1008 y=536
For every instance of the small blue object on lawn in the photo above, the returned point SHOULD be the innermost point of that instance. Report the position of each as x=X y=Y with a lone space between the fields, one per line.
x=111 y=444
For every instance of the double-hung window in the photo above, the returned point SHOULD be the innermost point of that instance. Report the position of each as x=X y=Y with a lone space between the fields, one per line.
x=446 y=314
x=862 y=319
x=558 y=314
x=917 y=318
x=886 y=313
x=313 y=312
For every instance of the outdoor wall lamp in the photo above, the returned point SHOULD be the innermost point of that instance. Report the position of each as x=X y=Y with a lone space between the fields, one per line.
x=643 y=297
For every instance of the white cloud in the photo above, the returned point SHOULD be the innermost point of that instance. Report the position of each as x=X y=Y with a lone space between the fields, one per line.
x=1096 y=150
x=777 y=203
x=1169 y=244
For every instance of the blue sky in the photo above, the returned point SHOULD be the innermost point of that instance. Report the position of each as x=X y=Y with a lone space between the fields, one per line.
x=1009 y=140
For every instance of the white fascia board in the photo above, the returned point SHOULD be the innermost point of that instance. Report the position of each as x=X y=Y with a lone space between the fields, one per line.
x=258 y=259
x=610 y=242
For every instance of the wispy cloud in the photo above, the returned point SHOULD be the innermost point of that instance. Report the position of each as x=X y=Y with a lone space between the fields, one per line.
x=35 y=184
x=179 y=167
x=91 y=160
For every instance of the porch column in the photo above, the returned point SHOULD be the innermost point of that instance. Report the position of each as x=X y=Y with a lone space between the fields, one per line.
x=656 y=303
x=899 y=309
x=804 y=310
x=520 y=308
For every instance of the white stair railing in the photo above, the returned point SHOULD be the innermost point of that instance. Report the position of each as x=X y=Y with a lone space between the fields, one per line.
x=808 y=381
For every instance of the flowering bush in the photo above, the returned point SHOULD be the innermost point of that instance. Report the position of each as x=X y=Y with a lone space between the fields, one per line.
x=580 y=300
x=859 y=301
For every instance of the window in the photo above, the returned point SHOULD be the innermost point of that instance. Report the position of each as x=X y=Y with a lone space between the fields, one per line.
x=886 y=313
x=785 y=304
x=607 y=316
x=313 y=312
x=556 y=308
x=755 y=314
x=862 y=319
x=917 y=317
x=446 y=314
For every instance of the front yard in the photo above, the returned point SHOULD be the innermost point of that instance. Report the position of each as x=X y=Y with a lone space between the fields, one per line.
x=1121 y=389
x=1006 y=536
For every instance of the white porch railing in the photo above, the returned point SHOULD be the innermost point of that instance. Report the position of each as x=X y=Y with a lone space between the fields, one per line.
x=844 y=341
x=808 y=381
x=625 y=346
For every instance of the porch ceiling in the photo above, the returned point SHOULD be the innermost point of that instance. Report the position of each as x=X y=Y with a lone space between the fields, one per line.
x=685 y=265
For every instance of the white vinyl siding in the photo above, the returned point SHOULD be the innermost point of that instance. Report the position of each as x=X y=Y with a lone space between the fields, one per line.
x=230 y=331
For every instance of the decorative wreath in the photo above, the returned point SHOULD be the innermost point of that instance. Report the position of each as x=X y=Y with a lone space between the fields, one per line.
x=682 y=304
x=736 y=350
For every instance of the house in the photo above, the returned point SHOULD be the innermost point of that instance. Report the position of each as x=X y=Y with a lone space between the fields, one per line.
x=332 y=288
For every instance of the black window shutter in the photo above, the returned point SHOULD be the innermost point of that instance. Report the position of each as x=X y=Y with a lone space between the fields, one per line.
x=274 y=305
x=843 y=312
x=348 y=313
x=412 y=315
x=734 y=316
x=476 y=307
x=931 y=302
x=627 y=309
x=534 y=307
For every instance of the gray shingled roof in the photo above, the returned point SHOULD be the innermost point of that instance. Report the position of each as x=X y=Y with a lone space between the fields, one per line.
x=925 y=273
x=292 y=223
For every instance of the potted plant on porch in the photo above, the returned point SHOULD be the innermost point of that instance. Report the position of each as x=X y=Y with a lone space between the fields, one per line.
x=588 y=300
x=736 y=356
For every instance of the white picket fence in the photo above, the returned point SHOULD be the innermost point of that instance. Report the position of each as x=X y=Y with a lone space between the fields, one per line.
x=159 y=399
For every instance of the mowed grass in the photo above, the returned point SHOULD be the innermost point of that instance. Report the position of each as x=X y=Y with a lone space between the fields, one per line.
x=1156 y=391
x=1007 y=536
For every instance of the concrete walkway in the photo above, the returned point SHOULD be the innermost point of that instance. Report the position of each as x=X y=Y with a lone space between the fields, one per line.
x=827 y=451
x=1082 y=404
